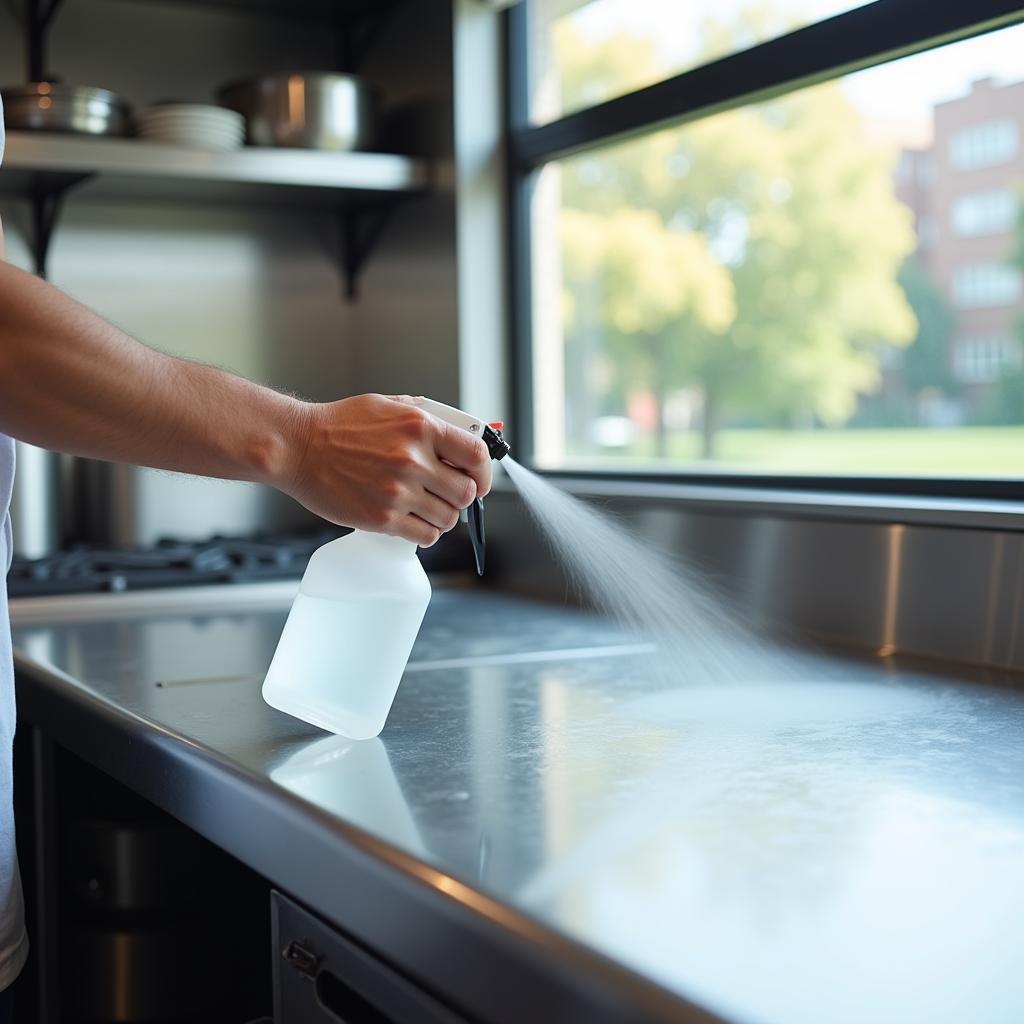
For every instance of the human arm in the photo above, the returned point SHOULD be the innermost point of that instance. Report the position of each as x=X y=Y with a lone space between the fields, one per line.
x=72 y=382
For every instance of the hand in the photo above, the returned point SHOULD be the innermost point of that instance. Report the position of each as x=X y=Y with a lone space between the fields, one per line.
x=382 y=464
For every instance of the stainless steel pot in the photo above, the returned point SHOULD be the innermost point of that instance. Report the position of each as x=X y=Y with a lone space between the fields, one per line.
x=153 y=971
x=137 y=865
x=53 y=107
x=308 y=110
x=116 y=505
x=36 y=502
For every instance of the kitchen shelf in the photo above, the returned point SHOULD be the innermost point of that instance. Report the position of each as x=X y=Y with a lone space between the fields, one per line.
x=125 y=167
x=362 y=187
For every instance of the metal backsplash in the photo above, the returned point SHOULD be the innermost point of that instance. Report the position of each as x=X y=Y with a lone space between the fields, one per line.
x=888 y=586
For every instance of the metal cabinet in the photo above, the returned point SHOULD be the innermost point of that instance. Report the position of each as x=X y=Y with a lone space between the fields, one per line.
x=322 y=977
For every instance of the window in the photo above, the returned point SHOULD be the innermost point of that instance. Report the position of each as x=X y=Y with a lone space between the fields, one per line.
x=985 y=284
x=586 y=52
x=718 y=272
x=984 y=213
x=984 y=145
x=982 y=360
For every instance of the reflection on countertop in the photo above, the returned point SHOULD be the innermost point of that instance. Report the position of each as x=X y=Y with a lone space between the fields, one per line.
x=830 y=838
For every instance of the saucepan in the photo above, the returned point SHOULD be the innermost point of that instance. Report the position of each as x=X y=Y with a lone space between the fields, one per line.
x=308 y=110
x=55 y=107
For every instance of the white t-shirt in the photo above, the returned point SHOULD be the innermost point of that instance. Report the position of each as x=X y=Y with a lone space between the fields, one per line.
x=13 y=940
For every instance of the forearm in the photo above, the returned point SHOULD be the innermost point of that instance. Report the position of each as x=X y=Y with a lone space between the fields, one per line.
x=72 y=382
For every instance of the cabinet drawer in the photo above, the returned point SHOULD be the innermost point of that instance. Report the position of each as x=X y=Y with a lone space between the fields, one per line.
x=322 y=977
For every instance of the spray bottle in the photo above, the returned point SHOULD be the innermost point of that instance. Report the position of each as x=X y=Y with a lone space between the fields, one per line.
x=359 y=608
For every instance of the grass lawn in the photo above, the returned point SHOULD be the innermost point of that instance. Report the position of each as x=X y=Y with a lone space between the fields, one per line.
x=960 y=451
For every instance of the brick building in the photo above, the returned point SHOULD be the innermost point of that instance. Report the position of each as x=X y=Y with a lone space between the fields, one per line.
x=966 y=191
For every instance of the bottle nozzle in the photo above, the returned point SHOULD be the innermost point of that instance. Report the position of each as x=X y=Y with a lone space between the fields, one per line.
x=495 y=441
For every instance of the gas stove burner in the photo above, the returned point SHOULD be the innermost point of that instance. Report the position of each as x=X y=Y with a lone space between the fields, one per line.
x=88 y=568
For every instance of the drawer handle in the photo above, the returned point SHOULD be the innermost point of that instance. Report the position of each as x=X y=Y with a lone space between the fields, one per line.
x=332 y=993
x=303 y=960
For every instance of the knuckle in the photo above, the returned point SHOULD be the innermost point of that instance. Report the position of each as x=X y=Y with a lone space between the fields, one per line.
x=384 y=519
x=403 y=463
x=391 y=490
x=431 y=537
x=371 y=404
x=452 y=520
x=416 y=423
x=467 y=492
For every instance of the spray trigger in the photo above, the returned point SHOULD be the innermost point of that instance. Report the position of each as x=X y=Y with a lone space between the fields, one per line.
x=475 y=519
x=497 y=448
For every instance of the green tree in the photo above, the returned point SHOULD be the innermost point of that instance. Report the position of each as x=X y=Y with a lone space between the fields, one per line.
x=795 y=205
x=658 y=297
x=1017 y=257
x=1005 y=404
x=926 y=361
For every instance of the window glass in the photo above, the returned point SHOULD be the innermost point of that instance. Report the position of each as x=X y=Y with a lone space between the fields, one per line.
x=583 y=52
x=817 y=284
x=982 y=360
x=985 y=284
x=984 y=145
x=984 y=213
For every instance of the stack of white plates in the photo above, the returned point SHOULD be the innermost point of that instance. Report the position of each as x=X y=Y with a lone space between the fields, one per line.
x=192 y=124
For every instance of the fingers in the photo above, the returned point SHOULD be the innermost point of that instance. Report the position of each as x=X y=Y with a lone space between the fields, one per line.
x=462 y=450
x=467 y=474
x=451 y=485
x=433 y=510
x=383 y=463
x=416 y=530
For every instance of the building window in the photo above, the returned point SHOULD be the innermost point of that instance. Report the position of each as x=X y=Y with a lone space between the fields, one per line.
x=984 y=145
x=984 y=213
x=716 y=267
x=981 y=360
x=985 y=284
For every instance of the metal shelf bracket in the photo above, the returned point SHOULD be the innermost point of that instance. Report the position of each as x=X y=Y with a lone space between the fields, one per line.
x=46 y=197
x=357 y=33
x=37 y=16
x=361 y=230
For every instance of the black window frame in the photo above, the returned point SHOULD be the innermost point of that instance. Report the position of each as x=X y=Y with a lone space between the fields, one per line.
x=867 y=36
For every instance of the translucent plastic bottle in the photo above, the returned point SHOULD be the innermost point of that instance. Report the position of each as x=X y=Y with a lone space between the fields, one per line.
x=349 y=634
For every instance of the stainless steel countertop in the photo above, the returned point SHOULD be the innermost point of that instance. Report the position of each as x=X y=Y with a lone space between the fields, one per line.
x=843 y=843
